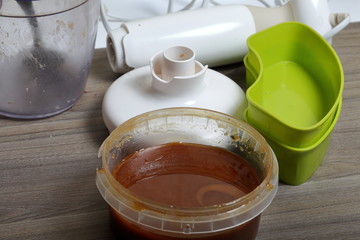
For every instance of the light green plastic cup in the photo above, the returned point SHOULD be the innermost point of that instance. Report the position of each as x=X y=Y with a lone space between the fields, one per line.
x=298 y=164
x=297 y=82
x=251 y=76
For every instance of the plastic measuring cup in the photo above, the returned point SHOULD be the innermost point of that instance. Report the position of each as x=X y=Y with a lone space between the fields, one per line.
x=46 y=52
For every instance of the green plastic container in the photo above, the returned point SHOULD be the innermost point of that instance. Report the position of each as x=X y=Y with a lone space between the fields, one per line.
x=297 y=83
x=297 y=165
x=250 y=74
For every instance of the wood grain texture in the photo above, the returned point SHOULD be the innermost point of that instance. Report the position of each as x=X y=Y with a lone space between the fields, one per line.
x=47 y=168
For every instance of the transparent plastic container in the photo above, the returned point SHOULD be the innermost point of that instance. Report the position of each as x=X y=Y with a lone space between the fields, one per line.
x=139 y=218
x=46 y=51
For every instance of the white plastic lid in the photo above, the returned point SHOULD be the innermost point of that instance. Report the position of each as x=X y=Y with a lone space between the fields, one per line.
x=188 y=84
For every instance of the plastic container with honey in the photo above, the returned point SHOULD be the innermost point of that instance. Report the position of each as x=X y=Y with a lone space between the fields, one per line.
x=186 y=173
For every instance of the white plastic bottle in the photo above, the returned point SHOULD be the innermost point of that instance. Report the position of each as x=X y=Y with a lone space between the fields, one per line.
x=217 y=34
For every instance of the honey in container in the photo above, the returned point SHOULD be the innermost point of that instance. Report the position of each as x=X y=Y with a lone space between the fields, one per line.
x=186 y=173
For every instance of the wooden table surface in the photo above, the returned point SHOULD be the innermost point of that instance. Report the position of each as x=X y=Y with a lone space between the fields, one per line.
x=47 y=169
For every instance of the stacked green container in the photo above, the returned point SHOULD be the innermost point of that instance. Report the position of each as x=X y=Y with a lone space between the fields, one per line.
x=295 y=81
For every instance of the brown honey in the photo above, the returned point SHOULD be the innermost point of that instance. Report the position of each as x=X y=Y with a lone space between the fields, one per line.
x=185 y=176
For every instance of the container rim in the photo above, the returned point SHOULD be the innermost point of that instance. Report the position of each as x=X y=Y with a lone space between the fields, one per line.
x=10 y=8
x=315 y=144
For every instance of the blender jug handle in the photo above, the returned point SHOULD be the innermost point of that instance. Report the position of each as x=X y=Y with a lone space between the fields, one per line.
x=339 y=21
